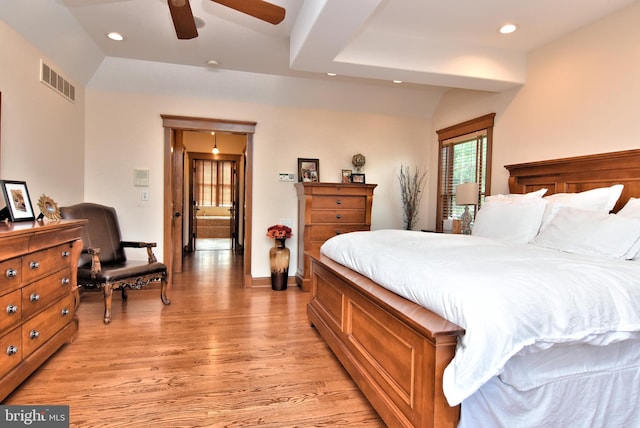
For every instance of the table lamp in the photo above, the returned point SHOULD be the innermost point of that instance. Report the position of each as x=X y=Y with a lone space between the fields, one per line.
x=466 y=194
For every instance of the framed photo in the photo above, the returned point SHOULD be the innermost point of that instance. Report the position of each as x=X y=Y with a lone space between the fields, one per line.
x=346 y=176
x=17 y=199
x=357 y=177
x=308 y=170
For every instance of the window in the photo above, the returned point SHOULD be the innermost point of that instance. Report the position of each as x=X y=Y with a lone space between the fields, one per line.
x=213 y=183
x=464 y=157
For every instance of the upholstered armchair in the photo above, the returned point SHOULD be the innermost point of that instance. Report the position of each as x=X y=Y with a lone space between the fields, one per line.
x=103 y=263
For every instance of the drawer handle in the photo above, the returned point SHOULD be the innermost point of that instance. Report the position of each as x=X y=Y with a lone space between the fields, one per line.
x=65 y=254
x=12 y=309
x=64 y=312
x=11 y=273
x=64 y=281
x=12 y=350
x=34 y=265
x=339 y=202
x=34 y=297
x=338 y=216
x=34 y=334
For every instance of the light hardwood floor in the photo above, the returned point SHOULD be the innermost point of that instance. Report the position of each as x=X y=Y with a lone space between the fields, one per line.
x=219 y=356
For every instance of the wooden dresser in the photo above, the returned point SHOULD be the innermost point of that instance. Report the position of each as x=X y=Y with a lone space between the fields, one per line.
x=326 y=210
x=38 y=295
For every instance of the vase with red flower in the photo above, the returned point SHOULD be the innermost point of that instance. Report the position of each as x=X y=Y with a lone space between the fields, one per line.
x=279 y=256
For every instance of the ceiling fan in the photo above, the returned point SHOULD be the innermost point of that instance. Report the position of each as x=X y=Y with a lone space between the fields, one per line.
x=185 y=24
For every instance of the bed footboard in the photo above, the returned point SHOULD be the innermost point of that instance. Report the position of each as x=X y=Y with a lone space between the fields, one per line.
x=394 y=350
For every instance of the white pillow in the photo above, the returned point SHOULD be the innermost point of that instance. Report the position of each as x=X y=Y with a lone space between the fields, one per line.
x=601 y=200
x=510 y=219
x=631 y=208
x=537 y=194
x=591 y=233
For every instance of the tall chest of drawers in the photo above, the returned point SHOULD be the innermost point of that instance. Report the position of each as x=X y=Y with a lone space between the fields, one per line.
x=326 y=210
x=38 y=295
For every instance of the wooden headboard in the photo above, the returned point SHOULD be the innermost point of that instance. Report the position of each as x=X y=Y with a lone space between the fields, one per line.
x=580 y=173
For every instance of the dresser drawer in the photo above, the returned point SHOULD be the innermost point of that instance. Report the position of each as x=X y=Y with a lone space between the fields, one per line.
x=45 y=262
x=10 y=275
x=337 y=189
x=43 y=326
x=10 y=350
x=324 y=232
x=10 y=310
x=337 y=216
x=337 y=201
x=42 y=293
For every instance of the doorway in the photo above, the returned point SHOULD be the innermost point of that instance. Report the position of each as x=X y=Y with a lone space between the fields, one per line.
x=215 y=183
x=174 y=210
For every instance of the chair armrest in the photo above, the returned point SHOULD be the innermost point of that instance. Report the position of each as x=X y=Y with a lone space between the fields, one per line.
x=96 y=267
x=138 y=244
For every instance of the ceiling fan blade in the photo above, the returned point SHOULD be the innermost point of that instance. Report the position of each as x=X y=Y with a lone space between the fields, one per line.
x=183 y=20
x=263 y=10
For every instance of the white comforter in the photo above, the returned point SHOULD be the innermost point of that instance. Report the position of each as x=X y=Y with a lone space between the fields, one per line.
x=506 y=296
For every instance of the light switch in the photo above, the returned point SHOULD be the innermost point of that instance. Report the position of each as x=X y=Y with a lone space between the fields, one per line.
x=144 y=195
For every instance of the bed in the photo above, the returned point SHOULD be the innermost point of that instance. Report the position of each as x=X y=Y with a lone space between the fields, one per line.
x=401 y=353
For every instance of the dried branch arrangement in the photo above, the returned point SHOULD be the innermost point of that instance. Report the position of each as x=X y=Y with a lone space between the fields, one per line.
x=411 y=186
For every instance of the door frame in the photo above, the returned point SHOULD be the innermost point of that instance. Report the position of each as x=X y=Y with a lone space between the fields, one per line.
x=173 y=181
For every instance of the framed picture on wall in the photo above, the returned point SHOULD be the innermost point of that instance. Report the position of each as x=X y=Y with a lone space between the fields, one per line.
x=357 y=178
x=16 y=196
x=308 y=170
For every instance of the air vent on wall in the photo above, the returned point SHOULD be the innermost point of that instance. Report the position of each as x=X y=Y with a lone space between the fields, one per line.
x=56 y=82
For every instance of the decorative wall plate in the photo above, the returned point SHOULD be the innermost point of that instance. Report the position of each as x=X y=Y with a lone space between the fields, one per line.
x=49 y=208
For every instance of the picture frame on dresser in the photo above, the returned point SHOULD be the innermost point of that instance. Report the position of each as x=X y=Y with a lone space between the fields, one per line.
x=357 y=177
x=18 y=203
x=308 y=170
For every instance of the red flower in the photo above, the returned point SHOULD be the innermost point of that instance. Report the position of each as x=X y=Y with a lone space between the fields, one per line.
x=279 y=231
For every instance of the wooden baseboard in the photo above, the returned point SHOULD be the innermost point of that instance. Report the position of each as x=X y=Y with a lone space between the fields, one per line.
x=266 y=281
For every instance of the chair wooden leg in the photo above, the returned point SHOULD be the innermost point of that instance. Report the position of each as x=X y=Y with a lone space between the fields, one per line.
x=163 y=292
x=108 y=293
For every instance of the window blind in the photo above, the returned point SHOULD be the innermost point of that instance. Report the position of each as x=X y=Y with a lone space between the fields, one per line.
x=213 y=182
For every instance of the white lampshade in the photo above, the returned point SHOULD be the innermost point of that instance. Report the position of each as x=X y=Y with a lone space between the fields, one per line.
x=467 y=194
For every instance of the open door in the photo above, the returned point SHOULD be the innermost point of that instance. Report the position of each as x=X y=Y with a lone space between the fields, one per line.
x=177 y=200
x=233 y=211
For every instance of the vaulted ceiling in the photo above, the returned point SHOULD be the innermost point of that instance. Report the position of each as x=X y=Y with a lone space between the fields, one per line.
x=441 y=43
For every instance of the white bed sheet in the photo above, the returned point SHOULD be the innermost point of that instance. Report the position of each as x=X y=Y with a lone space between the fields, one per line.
x=599 y=400
x=508 y=297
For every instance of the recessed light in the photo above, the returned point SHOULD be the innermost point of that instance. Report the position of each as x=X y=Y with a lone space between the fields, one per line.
x=397 y=81
x=115 y=36
x=331 y=74
x=212 y=62
x=508 y=28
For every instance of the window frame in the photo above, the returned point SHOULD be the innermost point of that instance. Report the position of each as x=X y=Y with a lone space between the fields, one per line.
x=480 y=124
x=220 y=187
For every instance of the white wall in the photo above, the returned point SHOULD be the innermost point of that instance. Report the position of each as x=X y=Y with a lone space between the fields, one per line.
x=42 y=139
x=124 y=131
x=581 y=97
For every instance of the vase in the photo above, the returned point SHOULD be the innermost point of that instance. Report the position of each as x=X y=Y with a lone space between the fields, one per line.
x=279 y=259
